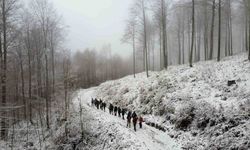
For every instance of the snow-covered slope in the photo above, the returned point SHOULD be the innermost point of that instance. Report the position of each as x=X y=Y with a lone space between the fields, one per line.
x=195 y=104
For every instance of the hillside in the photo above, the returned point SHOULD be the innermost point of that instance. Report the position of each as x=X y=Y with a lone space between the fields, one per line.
x=195 y=104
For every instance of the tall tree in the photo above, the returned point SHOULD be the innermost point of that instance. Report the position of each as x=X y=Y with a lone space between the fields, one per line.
x=145 y=48
x=219 y=32
x=164 y=33
x=27 y=21
x=47 y=24
x=212 y=32
x=248 y=16
x=193 y=35
x=8 y=10
x=47 y=84
x=205 y=33
x=130 y=36
x=4 y=69
x=179 y=36
x=228 y=36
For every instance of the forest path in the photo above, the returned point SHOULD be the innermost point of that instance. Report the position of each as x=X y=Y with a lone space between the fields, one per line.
x=115 y=129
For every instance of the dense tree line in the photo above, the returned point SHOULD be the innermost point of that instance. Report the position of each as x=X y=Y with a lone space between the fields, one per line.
x=35 y=67
x=186 y=31
x=92 y=67
x=30 y=59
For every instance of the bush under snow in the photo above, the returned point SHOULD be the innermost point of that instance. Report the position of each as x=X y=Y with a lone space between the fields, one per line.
x=195 y=104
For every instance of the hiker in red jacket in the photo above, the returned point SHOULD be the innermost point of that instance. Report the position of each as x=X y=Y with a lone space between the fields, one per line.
x=140 y=121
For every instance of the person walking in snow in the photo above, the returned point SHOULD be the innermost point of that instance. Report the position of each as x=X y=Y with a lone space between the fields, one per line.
x=115 y=110
x=129 y=119
x=134 y=116
x=104 y=106
x=111 y=107
x=92 y=102
x=101 y=104
x=119 y=111
x=140 y=121
x=123 y=113
x=97 y=104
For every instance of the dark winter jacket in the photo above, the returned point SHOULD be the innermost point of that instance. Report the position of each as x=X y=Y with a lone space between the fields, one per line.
x=119 y=110
x=129 y=115
x=123 y=111
x=111 y=107
x=115 y=109
x=134 y=116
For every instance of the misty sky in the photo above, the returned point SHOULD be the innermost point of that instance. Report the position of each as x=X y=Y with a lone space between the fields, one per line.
x=93 y=23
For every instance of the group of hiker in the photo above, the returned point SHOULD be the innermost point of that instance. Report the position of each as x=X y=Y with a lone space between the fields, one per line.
x=99 y=104
x=134 y=118
x=120 y=112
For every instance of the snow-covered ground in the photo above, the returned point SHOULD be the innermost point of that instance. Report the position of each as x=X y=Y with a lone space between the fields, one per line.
x=194 y=105
x=114 y=133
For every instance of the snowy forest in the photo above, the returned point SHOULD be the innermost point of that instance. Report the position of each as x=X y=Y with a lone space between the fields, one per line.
x=186 y=78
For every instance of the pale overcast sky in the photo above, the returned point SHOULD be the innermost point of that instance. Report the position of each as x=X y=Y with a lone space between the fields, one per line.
x=93 y=23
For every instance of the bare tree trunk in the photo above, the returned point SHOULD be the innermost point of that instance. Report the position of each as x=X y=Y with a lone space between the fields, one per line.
x=81 y=121
x=30 y=75
x=133 y=50
x=153 y=53
x=193 y=34
x=4 y=70
x=38 y=73
x=248 y=17
x=149 y=52
x=164 y=36
x=17 y=89
x=219 y=32
x=242 y=38
x=38 y=133
x=1 y=65
x=160 y=53
x=205 y=31
x=226 y=40
x=66 y=66
x=53 y=62
x=199 y=46
x=40 y=113
x=230 y=30
x=189 y=36
x=246 y=32
x=195 y=48
x=47 y=93
x=28 y=47
x=212 y=32
x=22 y=79
x=179 y=40
x=183 y=42
x=145 y=38
x=13 y=130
